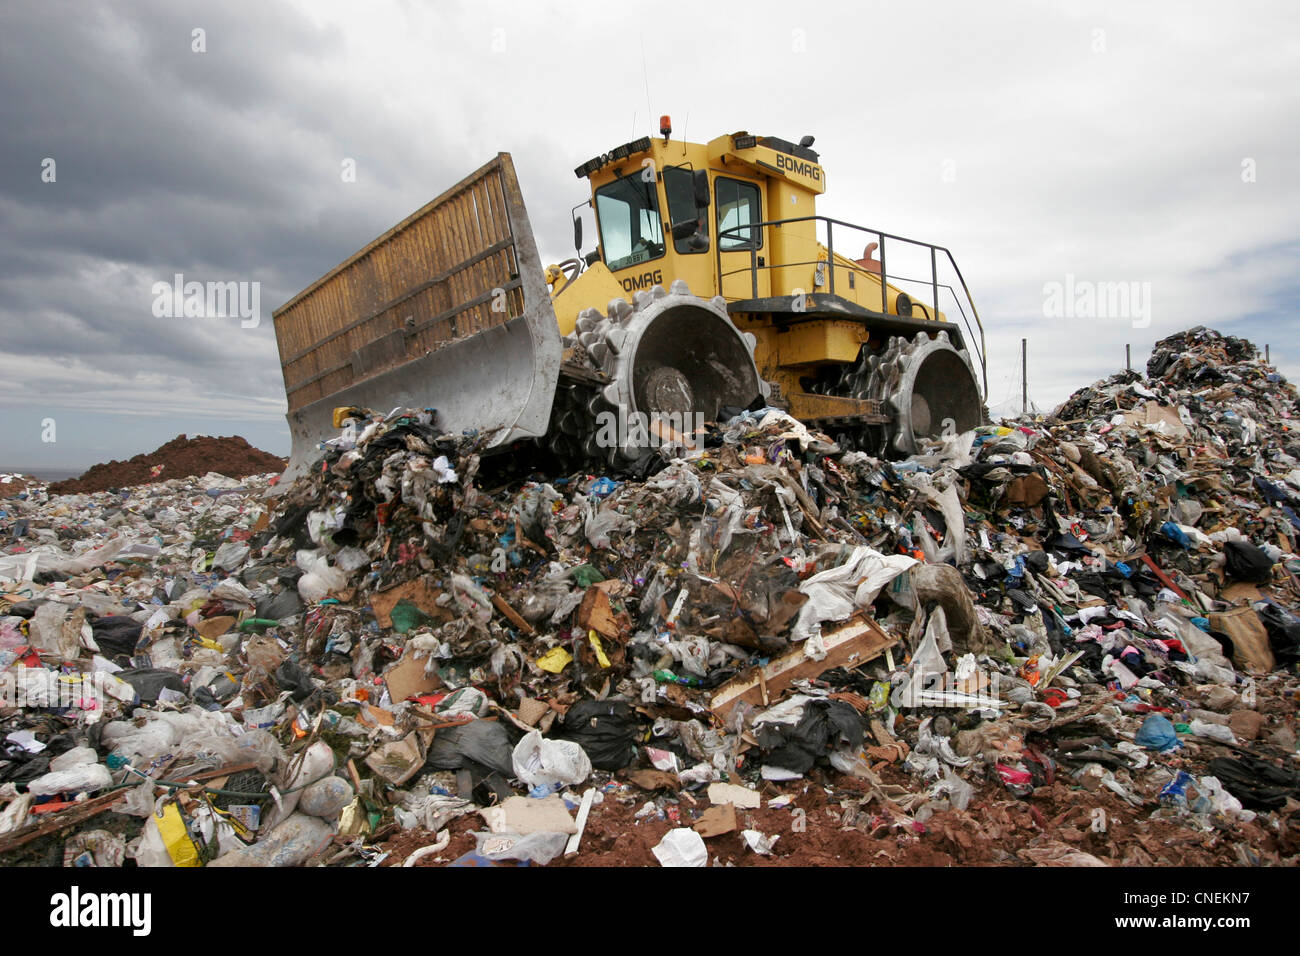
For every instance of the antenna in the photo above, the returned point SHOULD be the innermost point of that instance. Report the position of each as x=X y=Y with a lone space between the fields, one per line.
x=645 y=73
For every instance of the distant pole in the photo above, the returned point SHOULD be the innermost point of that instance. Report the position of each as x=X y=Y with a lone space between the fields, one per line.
x=1024 y=377
x=1266 y=358
x=1128 y=358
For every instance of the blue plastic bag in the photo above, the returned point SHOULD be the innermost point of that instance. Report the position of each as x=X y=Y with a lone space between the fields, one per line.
x=1175 y=534
x=1157 y=733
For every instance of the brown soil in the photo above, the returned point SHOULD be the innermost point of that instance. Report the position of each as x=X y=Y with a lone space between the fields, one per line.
x=991 y=832
x=17 y=484
x=180 y=458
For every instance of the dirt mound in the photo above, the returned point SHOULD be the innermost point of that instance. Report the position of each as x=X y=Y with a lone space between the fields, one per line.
x=13 y=484
x=181 y=457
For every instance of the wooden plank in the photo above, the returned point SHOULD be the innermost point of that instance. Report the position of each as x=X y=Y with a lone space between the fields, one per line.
x=512 y=615
x=852 y=644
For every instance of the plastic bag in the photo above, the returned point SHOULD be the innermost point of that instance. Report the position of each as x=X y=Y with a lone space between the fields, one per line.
x=541 y=762
x=318 y=582
x=681 y=847
x=326 y=798
x=606 y=731
x=1157 y=733
x=823 y=727
x=483 y=742
x=291 y=677
x=231 y=555
x=139 y=800
x=1219 y=732
x=76 y=757
x=1245 y=562
x=541 y=848
x=1283 y=632
x=302 y=770
x=471 y=598
x=86 y=777
x=958 y=791
x=600 y=524
x=291 y=843
x=465 y=702
x=836 y=593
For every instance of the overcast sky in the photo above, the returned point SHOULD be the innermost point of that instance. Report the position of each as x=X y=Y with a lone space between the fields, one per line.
x=1153 y=144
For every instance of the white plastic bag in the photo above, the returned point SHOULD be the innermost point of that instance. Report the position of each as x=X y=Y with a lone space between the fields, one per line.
x=1219 y=732
x=836 y=593
x=317 y=583
x=76 y=757
x=326 y=798
x=681 y=847
x=86 y=777
x=230 y=556
x=545 y=763
x=541 y=847
x=316 y=763
x=291 y=843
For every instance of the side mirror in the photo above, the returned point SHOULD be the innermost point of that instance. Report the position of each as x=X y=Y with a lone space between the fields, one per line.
x=577 y=233
x=701 y=183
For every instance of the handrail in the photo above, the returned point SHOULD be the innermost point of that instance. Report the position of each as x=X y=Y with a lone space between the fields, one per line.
x=745 y=232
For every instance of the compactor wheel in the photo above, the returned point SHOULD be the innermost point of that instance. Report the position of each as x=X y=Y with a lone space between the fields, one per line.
x=928 y=386
x=673 y=360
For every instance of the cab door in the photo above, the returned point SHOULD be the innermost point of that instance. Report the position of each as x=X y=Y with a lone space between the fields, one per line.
x=737 y=205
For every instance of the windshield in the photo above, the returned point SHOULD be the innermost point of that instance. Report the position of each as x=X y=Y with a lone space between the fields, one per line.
x=630 y=230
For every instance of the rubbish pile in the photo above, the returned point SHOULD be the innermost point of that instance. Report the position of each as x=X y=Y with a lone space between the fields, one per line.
x=182 y=457
x=1068 y=642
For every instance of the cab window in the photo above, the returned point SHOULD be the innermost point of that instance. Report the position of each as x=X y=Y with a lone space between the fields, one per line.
x=679 y=185
x=738 y=205
x=631 y=232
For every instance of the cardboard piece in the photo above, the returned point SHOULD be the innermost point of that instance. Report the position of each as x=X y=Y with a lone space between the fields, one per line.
x=398 y=761
x=1240 y=592
x=1158 y=418
x=743 y=797
x=597 y=614
x=1250 y=647
x=524 y=815
x=418 y=592
x=652 y=780
x=1025 y=491
x=1246 y=724
x=716 y=821
x=406 y=679
x=784 y=611
x=853 y=644
x=264 y=652
x=213 y=627
x=374 y=716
